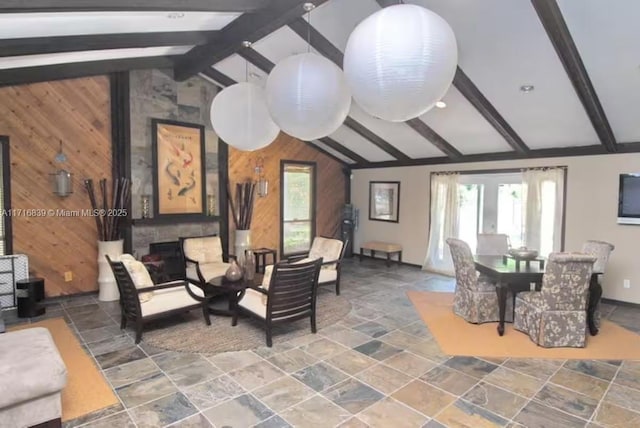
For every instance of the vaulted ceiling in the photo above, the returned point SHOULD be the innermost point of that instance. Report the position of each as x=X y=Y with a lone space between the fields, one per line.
x=580 y=56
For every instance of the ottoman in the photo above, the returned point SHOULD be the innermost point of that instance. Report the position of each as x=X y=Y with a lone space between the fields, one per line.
x=32 y=375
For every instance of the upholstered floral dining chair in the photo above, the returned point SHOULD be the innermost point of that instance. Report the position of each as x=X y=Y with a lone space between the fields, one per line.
x=475 y=298
x=556 y=316
x=601 y=250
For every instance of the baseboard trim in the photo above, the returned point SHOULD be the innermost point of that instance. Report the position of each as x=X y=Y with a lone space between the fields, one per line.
x=393 y=262
x=620 y=303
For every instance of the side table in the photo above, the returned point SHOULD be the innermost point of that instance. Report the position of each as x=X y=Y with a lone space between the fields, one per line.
x=260 y=254
x=29 y=293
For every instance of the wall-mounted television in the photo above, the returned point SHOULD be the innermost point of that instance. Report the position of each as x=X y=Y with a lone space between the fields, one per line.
x=629 y=199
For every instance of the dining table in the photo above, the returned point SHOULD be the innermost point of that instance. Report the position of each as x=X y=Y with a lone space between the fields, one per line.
x=516 y=276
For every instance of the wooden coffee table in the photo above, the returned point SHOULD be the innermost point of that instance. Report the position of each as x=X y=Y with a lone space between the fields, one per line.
x=233 y=289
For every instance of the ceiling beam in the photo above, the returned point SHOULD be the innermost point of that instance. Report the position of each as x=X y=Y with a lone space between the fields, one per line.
x=486 y=109
x=363 y=131
x=221 y=78
x=503 y=156
x=26 y=6
x=89 y=42
x=266 y=65
x=225 y=80
x=554 y=24
x=321 y=44
x=20 y=76
x=429 y=134
x=330 y=142
x=248 y=27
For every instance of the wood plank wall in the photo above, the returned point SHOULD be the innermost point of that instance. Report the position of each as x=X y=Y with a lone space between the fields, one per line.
x=331 y=189
x=36 y=118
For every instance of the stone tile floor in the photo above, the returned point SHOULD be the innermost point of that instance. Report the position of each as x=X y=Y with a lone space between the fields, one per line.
x=378 y=367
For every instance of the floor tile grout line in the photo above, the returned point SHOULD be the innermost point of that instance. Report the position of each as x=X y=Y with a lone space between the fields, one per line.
x=529 y=400
x=384 y=362
x=597 y=409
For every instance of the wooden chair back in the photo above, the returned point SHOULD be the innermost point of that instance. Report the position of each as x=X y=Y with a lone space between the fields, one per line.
x=292 y=290
x=129 y=301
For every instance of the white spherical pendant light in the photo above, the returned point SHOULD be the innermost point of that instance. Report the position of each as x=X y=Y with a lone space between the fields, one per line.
x=399 y=61
x=307 y=96
x=240 y=117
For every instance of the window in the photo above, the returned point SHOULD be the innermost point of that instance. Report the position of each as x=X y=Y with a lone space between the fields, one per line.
x=297 y=206
x=5 y=203
x=495 y=203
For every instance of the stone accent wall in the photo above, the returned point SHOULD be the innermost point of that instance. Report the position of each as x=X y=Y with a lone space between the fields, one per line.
x=155 y=95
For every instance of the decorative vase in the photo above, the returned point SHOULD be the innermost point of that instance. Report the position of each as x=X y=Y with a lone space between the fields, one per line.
x=249 y=266
x=106 y=280
x=234 y=272
x=243 y=243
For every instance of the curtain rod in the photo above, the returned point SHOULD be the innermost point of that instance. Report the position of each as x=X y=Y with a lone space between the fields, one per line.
x=502 y=170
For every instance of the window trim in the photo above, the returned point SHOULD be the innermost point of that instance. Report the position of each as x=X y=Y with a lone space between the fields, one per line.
x=511 y=170
x=6 y=191
x=314 y=192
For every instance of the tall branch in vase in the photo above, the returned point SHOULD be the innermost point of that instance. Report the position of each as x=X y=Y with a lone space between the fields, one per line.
x=242 y=209
x=109 y=215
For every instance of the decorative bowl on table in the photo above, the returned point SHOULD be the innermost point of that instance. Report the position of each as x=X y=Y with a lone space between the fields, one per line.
x=523 y=253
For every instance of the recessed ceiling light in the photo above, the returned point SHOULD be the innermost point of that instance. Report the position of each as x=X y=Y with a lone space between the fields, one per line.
x=175 y=15
x=441 y=104
x=527 y=88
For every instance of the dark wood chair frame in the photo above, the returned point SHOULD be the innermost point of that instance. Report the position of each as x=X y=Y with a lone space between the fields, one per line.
x=130 y=302
x=201 y=281
x=291 y=296
x=338 y=263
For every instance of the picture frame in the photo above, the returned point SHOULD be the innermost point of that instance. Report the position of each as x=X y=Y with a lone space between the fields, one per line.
x=179 y=177
x=384 y=201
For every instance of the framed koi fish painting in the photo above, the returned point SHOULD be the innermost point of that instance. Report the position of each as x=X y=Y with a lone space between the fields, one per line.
x=178 y=169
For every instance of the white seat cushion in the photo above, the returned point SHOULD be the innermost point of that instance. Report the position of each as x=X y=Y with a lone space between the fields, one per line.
x=252 y=301
x=209 y=270
x=207 y=249
x=170 y=298
x=328 y=249
x=139 y=275
x=327 y=275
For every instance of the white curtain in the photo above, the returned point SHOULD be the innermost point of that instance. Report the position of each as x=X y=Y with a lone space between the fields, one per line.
x=543 y=195
x=444 y=222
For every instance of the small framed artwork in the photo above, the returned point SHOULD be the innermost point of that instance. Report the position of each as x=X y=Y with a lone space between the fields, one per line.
x=178 y=169
x=384 y=201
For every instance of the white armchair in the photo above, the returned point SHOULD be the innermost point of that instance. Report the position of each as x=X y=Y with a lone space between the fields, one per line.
x=331 y=251
x=142 y=301
x=203 y=258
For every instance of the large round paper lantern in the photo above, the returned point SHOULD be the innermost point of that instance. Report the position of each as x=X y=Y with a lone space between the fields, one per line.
x=399 y=61
x=307 y=96
x=240 y=117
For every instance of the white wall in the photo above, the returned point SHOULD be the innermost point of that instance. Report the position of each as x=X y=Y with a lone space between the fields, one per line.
x=592 y=204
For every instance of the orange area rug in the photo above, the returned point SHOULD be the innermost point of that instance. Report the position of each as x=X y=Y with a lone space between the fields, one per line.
x=458 y=337
x=86 y=390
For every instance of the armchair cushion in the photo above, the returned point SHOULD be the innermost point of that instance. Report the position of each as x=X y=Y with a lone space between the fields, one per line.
x=327 y=248
x=266 y=280
x=168 y=299
x=139 y=275
x=206 y=249
x=255 y=302
x=209 y=270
